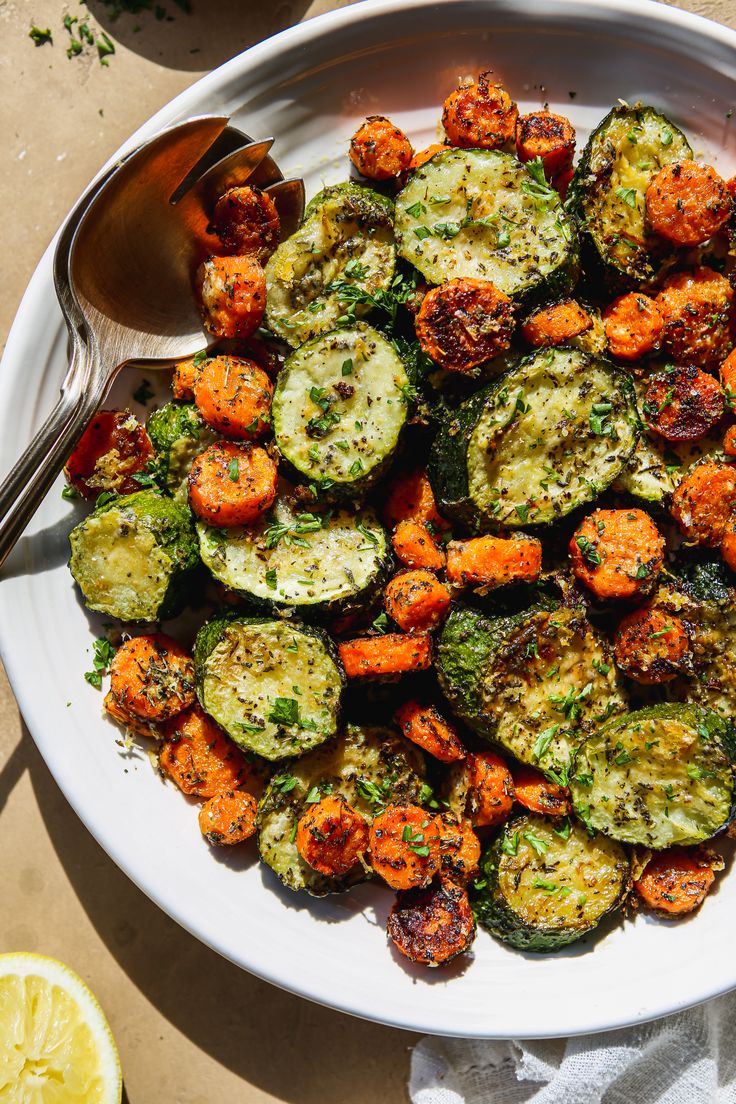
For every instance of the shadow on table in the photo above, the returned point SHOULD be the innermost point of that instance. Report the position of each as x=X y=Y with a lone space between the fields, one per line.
x=248 y=1026
x=213 y=32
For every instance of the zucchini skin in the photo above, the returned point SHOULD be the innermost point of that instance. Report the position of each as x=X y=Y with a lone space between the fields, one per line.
x=654 y=812
x=448 y=466
x=207 y=640
x=360 y=196
x=589 y=186
x=496 y=914
x=373 y=754
x=178 y=434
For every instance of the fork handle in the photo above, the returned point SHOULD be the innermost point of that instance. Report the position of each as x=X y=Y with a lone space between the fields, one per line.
x=27 y=484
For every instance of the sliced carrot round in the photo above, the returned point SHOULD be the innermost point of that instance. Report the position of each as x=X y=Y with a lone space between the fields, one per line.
x=331 y=836
x=547 y=136
x=729 y=441
x=423 y=156
x=490 y=789
x=556 y=324
x=425 y=726
x=633 y=325
x=704 y=502
x=676 y=881
x=651 y=645
x=247 y=223
x=379 y=149
x=464 y=323
x=416 y=600
x=480 y=115
x=494 y=561
x=415 y=546
x=152 y=677
x=410 y=497
x=386 y=656
x=183 y=379
x=538 y=794
x=683 y=404
x=232 y=484
x=196 y=754
x=696 y=310
x=129 y=721
x=228 y=818
x=432 y=926
x=617 y=553
x=460 y=850
x=687 y=203
x=405 y=846
x=112 y=450
x=234 y=396
x=232 y=294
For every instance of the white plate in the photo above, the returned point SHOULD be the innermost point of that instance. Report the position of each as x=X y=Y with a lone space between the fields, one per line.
x=310 y=86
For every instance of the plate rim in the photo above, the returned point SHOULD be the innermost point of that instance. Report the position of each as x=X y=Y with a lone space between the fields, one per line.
x=206 y=88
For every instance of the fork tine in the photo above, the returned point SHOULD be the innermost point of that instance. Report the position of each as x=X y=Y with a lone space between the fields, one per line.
x=288 y=195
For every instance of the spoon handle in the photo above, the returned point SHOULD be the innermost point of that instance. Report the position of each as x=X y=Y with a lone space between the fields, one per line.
x=27 y=484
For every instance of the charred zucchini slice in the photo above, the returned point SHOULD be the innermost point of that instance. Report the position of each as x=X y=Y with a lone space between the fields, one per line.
x=346 y=239
x=317 y=563
x=273 y=686
x=366 y=766
x=551 y=434
x=339 y=406
x=534 y=682
x=607 y=194
x=132 y=557
x=657 y=777
x=484 y=215
x=545 y=883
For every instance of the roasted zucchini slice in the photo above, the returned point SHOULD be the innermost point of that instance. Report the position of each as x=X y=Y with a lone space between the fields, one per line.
x=366 y=766
x=534 y=682
x=607 y=194
x=316 y=563
x=657 y=777
x=339 y=406
x=482 y=214
x=133 y=556
x=545 y=883
x=345 y=242
x=273 y=686
x=178 y=433
x=549 y=435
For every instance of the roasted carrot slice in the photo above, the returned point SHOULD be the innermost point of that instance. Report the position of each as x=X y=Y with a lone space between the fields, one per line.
x=459 y=848
x=423 y=156
x=479 y=115
x=392 y=654
x=494 y=561
x=129 y=721
x=183 y=379
x=561 y=181
x=404 y=846
x=379 y=149
x=415 y=546
x=687 y=203
x=696 y=309
x=425 y=726
x=247 y=223
x=464 y=323
x=228 y=818
x=152 y=677
x=633 y=325
x=676 y=881
x=556 y=324
x=683 y=403
x=728 y=379
x=547 y=136
x=651 y=646
x=432 y=926
x=331 y=836
x=489 y=789
x=232 y=293
x=416 y=600
x=410 y=498
x=232 y=484
x=704 y=502
x=729 y=441
x=233 y=396
x=197 y=755
x=617 y=553
x=538 y=794
x=112 y=450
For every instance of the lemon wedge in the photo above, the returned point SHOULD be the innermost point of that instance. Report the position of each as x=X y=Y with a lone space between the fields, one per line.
x=56 y=1046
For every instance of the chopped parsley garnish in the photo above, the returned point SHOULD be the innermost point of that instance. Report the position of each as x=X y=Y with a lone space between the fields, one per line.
x=284 y=711
x=102 y=657
x=627 y=196
x=233 y=470
x=284 y=782
x=40 y=35
x=589 y=551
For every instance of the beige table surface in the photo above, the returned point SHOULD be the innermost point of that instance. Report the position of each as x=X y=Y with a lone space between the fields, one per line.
x=191 y=1028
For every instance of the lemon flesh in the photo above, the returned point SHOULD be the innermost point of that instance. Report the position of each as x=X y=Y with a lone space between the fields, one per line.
x=56 y=1046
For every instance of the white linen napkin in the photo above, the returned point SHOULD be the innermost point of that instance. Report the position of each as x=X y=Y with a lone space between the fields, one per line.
x=687 y=1058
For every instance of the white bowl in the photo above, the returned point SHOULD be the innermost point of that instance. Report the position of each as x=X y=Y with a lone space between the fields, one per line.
x=310 y=86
